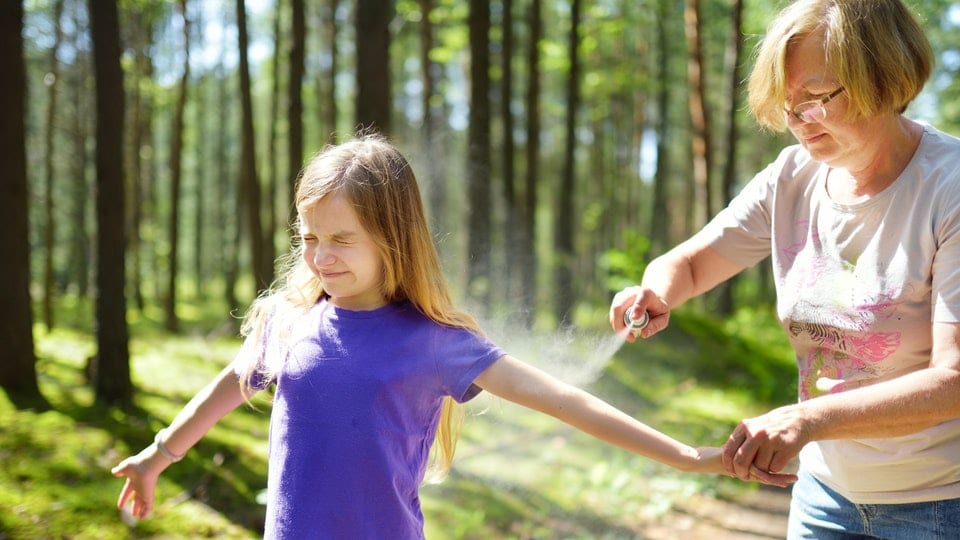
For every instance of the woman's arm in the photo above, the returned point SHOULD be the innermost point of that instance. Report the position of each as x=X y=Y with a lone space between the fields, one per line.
x=526 y=385
x=688 y=270
x=207 y=407
x=900 y=406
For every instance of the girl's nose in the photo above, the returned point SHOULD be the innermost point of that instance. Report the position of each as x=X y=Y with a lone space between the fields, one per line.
x=323 y=256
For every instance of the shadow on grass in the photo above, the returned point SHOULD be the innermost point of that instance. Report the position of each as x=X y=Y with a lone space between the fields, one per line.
x=219 y=472
x=222 y=475
x=28 y=401
x=514 y=511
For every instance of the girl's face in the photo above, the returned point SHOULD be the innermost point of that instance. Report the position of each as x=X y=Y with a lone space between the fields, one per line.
x=833 y=139
x=343 y=256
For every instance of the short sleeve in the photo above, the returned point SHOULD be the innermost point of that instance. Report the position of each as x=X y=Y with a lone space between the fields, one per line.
x=946 y=262
x=741 y=232
x=462 y=357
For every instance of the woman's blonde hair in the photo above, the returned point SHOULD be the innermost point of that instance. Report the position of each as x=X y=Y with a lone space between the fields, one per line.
x=380 y=184
x=877 y=49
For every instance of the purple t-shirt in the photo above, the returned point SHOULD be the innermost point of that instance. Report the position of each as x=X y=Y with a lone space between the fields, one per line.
x=356 y=408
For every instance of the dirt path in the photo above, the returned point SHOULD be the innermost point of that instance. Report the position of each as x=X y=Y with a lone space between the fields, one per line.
x=758 y=515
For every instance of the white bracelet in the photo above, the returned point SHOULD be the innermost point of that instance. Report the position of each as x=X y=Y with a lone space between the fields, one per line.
x=164 y=451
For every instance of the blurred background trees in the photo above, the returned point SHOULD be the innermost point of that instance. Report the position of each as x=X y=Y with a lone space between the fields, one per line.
x=559 y=144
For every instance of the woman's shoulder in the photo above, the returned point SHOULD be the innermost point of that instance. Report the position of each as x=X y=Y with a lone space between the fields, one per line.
x=793 y=170
x=937 y=162
x=939 y=146
x=795 y=162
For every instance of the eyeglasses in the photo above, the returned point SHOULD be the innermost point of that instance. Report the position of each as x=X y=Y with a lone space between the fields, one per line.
x=813 y=111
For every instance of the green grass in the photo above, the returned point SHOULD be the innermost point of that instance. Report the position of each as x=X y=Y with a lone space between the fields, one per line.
x=518 y=474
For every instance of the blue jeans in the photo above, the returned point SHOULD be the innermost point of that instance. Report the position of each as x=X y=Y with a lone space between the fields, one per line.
x=817 y=511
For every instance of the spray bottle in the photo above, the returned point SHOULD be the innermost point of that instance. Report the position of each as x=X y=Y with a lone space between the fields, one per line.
x=635 y=326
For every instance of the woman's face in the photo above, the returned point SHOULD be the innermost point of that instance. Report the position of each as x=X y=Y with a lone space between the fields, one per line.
x=343 y=256
x=831 y=140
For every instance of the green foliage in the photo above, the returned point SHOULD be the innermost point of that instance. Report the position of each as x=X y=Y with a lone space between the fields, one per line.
x=625 y=267
x=947 y=74
x=747 y=350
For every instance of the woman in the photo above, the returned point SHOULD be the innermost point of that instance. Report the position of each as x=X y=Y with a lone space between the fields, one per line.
x=861 y=220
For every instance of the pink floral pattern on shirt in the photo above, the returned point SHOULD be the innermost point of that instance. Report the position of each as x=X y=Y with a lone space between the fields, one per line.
x=841 y=342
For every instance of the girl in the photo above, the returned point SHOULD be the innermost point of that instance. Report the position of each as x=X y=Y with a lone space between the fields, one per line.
x=369 y=357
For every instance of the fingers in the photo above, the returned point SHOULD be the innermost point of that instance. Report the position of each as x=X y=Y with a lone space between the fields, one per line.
x=750 y=454
x=638 y=302
x=141 y=507
x=780 y=461
x=773 y=479
x=132 y=501
x=136 y=497
x=622 y=301
x=730 y=449
x=124 y=494
x=740 y=453
x=764 y=458
x=120 y=469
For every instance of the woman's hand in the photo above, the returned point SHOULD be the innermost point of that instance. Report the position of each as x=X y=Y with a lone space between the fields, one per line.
x=710 y=460
x=766 y=443
x=637 y=300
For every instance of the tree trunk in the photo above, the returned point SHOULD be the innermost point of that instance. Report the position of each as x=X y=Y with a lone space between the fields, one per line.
x=298 y=41
x=478 y=155
x=512 y=285
x=372 y=19
x=734 y=53
x=111 y=377
x=659 y=229
x=270 y=218
x=699 y=115
x=81 y=247
x=433 y=141
x=176 y=173
x=132 y=150
x=528 y=230
x=18 y=376
x=249 y=183
x=49 y=230
x=329 y=78
x=80 y=194
x=564 y=219
x=201 y=206
x=228 y=208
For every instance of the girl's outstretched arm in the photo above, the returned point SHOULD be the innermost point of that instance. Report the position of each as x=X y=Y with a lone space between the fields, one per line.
x=208 y=406
x=526 y=385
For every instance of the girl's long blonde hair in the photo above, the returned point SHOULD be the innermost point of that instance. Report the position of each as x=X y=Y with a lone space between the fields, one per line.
x=381 y=185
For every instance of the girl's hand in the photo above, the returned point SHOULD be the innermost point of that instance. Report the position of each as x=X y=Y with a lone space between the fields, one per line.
x=141 y=472
x=709 y=460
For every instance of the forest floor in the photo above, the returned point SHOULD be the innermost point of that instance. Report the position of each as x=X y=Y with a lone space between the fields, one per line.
x=519 y=474
x=757 y=515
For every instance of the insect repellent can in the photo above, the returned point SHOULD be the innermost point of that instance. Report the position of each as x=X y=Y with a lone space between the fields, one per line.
x=635 y=326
